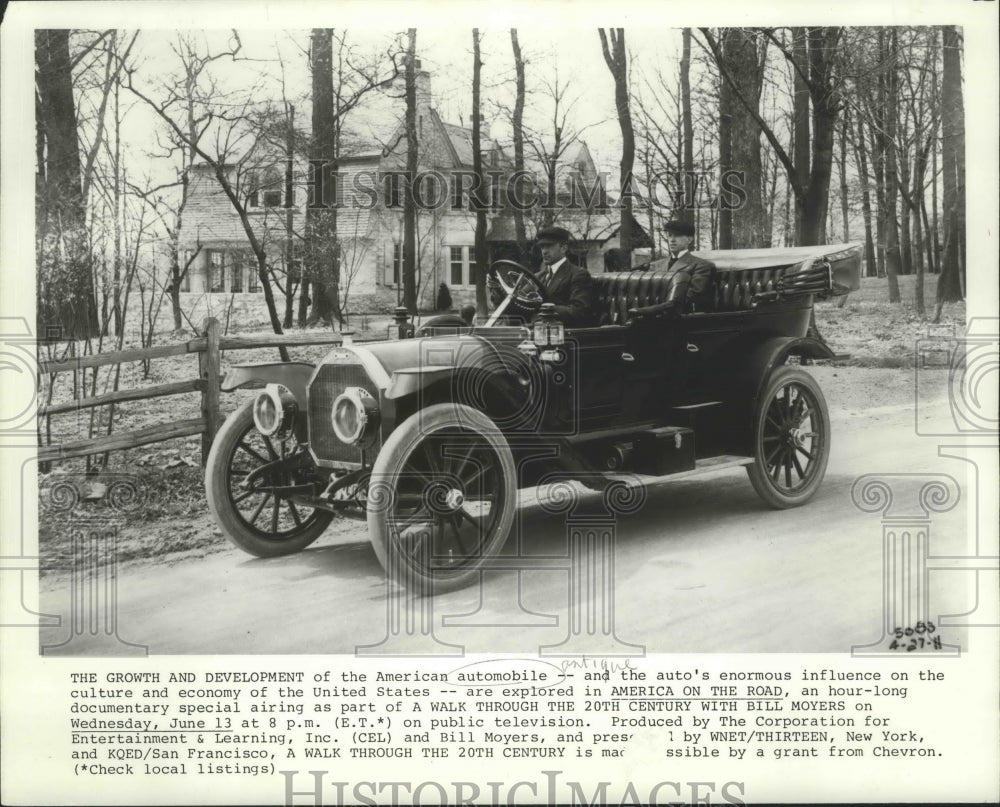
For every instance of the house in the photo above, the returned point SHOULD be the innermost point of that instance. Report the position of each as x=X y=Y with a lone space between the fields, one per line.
x=369 y=213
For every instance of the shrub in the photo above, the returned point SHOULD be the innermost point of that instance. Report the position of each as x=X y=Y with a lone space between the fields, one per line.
x=443 y=298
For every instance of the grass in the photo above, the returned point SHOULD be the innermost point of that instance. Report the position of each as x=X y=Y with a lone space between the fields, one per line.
x=877 y=333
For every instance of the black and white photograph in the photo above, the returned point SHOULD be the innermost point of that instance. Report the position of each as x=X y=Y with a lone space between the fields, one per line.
x=623 y=385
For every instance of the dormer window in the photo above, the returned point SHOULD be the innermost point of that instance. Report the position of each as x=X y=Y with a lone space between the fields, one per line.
x=269 y=187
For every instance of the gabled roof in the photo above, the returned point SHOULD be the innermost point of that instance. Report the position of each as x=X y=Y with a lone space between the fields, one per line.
x=210 y=219
x=460 y=140
x=598 y=225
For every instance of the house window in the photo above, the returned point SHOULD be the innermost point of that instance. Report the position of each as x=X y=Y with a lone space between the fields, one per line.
x=236 y=273
x=216 y=271
x=462 y=261
x=253 y=282
x=268 y=187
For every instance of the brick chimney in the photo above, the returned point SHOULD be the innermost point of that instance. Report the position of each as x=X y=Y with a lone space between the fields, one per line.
x=423 y=81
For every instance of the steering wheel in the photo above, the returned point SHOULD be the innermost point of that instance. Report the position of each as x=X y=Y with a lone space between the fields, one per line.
x=523 y=288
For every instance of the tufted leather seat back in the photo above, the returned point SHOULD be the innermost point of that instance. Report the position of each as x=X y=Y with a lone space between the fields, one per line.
x=616 y=292
x=735 y=288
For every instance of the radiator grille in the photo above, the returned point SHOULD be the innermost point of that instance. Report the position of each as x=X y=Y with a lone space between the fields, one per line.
x=330 y=381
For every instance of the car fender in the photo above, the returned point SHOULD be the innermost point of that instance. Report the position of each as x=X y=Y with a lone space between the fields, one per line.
x=415 y=387
x=294 y=376
x=752 y=378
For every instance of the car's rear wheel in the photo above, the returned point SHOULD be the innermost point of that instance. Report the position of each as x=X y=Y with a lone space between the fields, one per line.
x=442 y=497
x=252 y=515
x=791 y=439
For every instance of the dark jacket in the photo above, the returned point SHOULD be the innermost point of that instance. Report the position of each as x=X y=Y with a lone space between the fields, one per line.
x=692 y=282
x=572 y=291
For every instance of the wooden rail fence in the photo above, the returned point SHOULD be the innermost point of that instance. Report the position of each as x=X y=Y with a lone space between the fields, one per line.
x=208 y=346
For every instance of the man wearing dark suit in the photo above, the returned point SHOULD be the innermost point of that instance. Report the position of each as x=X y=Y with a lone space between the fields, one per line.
x=567 y=285
x=692 y=277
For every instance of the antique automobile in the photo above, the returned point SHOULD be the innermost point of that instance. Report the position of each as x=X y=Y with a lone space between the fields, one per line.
x=430 y=436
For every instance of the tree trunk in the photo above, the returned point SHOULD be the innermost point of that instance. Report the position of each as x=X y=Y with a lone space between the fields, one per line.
x=518 y=126
x=409 y=206
x=918 y=293
x=890 y=211
x=477 y=167
x=825 y=100
x=741 y=220
x=303 y=312
x=800 y=128
x=687 y=131
x=950 y=286
x=65 y=288
x=933 y=230
x=321 y=250
x=175 y=291
x=290 y=287
x=616 y=58
x=727 y=103
x=861 y=156
x=845 y=133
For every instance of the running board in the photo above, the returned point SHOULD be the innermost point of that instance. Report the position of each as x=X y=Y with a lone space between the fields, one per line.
x=721 y=463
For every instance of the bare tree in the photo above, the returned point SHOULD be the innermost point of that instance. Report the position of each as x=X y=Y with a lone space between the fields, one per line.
x=616 y=58
x=550 y=146
x=813 y=57
x=342 y=76
x=231 y=136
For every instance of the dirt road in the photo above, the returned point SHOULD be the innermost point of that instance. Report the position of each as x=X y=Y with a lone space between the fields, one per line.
x=702 y=566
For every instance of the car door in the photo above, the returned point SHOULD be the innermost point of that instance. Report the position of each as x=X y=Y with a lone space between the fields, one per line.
x=601 y=365
x=704 y=352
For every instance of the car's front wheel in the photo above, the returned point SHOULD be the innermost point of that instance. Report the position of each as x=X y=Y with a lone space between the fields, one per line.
x=244 y=480
x=442 y=497
x=791 y=439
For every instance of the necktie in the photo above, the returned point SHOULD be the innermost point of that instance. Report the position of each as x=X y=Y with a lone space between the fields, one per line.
x=547 y=276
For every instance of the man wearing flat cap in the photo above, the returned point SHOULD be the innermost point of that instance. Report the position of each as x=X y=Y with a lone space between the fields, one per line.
x=567 y=285
x=692 y=276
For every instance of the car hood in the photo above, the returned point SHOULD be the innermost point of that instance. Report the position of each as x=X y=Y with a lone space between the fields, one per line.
x=430 y=354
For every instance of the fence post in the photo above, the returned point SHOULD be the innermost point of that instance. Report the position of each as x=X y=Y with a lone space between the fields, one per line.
x=208 y=365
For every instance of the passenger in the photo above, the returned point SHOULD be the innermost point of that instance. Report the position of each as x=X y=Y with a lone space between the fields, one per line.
x=692 y=276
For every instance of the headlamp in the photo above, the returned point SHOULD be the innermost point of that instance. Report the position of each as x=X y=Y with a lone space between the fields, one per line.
x=355 y=416
x=274 y=411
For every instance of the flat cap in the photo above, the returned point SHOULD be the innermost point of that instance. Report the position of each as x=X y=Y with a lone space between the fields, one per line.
x=556 y=235
x=679 y=227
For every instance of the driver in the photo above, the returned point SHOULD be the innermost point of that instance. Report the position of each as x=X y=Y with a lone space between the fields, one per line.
x=566 y=285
